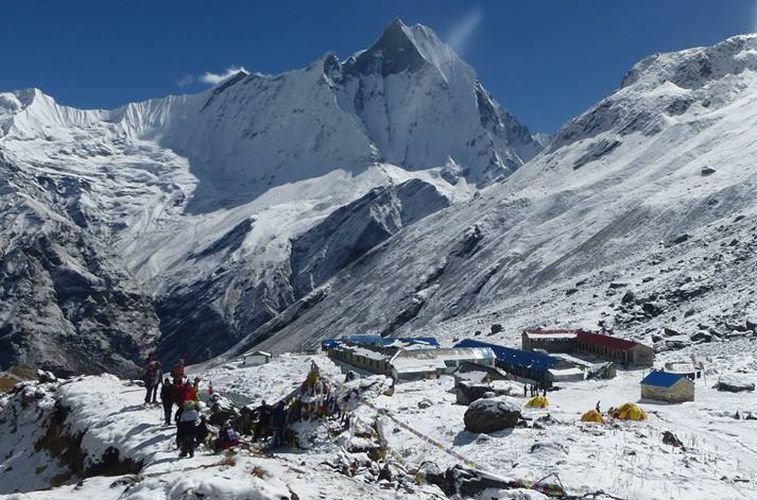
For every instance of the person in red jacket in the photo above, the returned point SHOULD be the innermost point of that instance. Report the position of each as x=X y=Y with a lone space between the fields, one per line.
x=178 y=372
x=190 y=392
x=177 y=395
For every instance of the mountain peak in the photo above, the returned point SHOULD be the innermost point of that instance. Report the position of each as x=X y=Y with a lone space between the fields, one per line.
x=394 y=52
x=396 y=24
x=694 y=68
x=403 y=48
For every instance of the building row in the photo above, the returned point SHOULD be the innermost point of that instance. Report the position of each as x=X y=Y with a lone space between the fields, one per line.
x=407 y=360
x=545 y=357
x=542 y=361
x=624 y=352
x=527 y=366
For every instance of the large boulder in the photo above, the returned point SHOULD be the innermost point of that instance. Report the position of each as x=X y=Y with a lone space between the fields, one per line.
x=468 y=392
x=493 y=414
x=734 y=383
x=673 y=343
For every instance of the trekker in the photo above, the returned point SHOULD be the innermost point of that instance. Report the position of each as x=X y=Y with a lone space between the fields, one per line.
x=201 y=431
x=152 y=380
x=196 y=385
x=262 y=428
x=185 y=429
x=227 y=438
x=158 y=374
x=177 y=395
x=178 y=372
x=190 y=391
x=525 y=390
x=278 y=421
x=167 y=398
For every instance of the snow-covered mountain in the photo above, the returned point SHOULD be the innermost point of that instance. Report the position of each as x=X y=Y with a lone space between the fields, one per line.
x=639 y=216
x=216 y=211
x=64 y=293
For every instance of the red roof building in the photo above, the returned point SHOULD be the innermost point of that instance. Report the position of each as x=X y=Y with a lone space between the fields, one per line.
x=622 y=351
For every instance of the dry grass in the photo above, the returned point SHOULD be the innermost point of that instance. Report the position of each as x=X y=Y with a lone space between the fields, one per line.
x=16 y=374
x=8 y=382
x=24 y=372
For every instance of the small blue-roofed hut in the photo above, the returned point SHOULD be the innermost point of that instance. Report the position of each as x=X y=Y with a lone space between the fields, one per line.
x=669 y=387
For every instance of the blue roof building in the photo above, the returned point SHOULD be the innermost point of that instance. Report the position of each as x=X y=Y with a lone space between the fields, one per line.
x=661 y=378
x=668 y=387
x=526 y=364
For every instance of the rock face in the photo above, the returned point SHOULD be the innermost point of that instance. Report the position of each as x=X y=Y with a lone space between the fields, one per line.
x=65 y=303
x=493 y=414
x=352 y=230
x=734 y=383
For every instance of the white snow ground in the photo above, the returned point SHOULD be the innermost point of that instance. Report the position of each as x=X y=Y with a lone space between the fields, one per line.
x=624 y=459
x=110 y=413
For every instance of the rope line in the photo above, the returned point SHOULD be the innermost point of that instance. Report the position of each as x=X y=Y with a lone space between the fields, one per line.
x=546 y=488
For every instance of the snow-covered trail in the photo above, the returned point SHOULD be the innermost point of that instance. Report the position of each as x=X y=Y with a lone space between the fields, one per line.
x=111 y=414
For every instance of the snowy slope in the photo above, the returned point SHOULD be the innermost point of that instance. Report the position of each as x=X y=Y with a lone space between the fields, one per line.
x=639 y=215
x=66 y=301
x=200 y=199
x=91 y=437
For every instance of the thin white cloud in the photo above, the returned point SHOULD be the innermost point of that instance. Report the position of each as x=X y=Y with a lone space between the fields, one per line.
x=216 y=78
x=186 y=80
x=461 y=34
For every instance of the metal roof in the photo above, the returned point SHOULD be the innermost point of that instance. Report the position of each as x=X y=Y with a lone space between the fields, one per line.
x=430 y=341
x=582 y=336
x=378 y=340
x=519 y=357
x=606 y=340
x=406 y=361
x=662 y=379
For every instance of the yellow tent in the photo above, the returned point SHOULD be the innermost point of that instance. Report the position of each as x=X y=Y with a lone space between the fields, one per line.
x=592 y=416
x=538 y=402
x=630 y=411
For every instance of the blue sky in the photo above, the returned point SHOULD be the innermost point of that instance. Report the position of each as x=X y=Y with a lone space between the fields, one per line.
x=543 y=60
